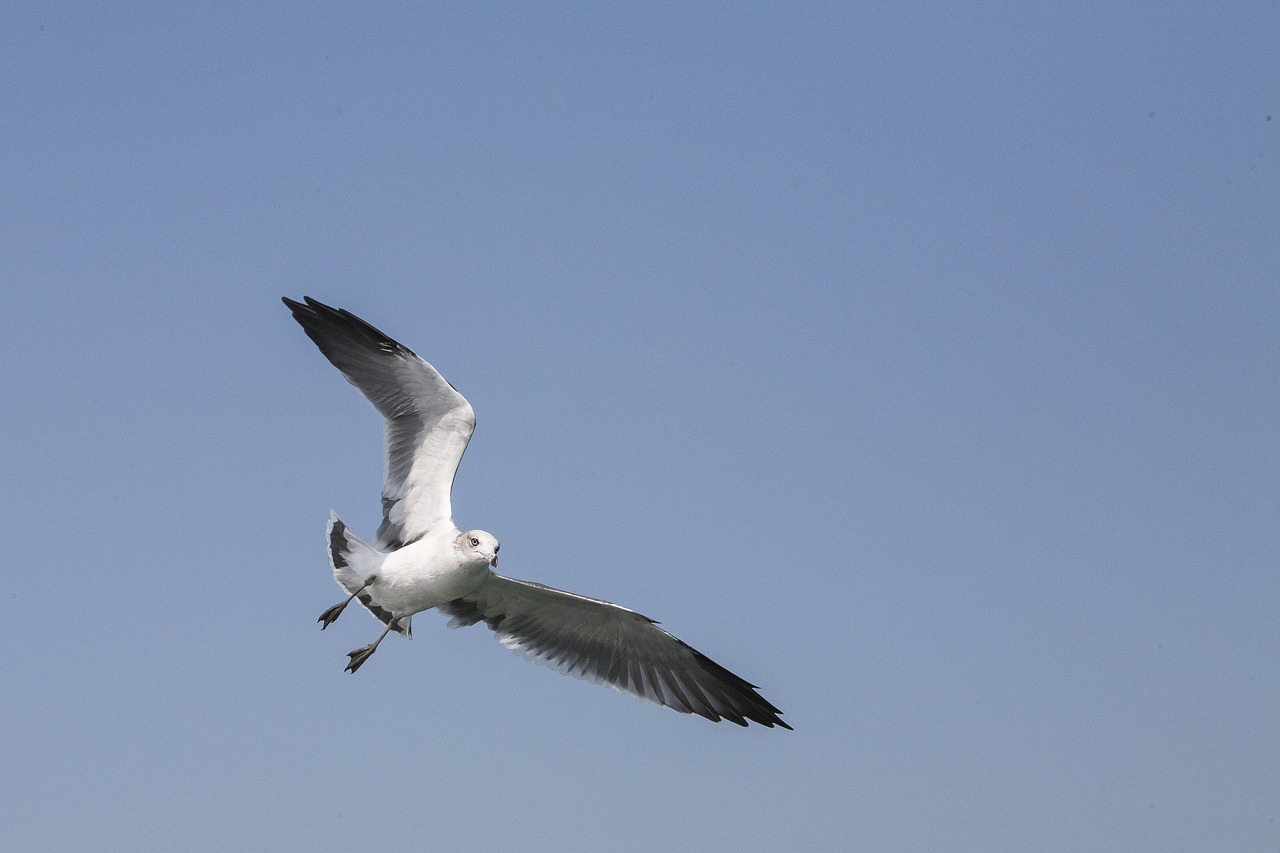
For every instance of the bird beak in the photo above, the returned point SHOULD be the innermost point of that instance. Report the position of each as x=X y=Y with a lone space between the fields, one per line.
x=494 y=561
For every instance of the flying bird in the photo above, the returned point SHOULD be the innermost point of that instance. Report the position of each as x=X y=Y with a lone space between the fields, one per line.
x=420 y=560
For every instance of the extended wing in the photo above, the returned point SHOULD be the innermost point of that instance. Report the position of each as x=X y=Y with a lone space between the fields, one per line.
x=427 y=422
x=608 y=644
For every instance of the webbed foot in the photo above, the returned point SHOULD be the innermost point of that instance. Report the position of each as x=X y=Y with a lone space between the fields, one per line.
x=359 y=656
x=331 y=615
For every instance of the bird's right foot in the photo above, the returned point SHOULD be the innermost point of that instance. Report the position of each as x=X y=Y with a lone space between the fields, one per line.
x=331 y=615
x=335 y=611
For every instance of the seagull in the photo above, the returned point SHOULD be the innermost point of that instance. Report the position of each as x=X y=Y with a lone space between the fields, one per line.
x=420 y=560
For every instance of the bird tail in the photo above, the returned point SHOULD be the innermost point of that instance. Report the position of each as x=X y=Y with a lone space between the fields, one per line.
x=354 y=561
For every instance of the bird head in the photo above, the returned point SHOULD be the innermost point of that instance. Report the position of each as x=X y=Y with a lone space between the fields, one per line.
x=478 y=545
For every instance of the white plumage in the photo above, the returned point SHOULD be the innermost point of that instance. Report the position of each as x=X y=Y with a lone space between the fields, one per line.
x=420 y=559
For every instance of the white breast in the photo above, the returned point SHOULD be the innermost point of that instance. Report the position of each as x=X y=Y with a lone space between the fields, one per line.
x=428 y=573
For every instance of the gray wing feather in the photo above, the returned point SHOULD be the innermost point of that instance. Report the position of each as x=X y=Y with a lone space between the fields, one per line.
x=608 y=644
x=427 y=423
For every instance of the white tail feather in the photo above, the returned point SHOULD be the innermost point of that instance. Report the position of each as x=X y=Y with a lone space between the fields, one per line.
x=354 y=562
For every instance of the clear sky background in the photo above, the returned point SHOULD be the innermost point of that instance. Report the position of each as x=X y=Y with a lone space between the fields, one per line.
x=918 y=362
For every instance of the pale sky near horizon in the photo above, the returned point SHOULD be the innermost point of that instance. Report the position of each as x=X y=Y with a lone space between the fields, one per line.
x=920 y=364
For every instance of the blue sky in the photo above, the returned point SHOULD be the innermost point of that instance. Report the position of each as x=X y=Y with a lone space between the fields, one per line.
x=919 y=363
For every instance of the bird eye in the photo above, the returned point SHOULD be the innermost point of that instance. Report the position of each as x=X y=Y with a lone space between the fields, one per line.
x=474 y=541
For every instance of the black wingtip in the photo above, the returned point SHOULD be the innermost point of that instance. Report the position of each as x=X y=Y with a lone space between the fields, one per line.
x=321 y=321
x=303 y=313
x=308 y=307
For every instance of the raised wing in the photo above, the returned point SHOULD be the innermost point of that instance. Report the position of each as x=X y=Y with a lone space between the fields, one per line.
x=602 y=642
x=427 y=422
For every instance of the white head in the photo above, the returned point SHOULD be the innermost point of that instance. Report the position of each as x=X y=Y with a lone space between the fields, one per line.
x=477 y=545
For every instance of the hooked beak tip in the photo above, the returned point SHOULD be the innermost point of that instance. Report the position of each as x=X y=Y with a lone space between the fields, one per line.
x=494 y=561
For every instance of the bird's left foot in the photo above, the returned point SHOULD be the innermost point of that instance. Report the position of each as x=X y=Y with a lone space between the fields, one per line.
x=362 y=654
x=359 y=656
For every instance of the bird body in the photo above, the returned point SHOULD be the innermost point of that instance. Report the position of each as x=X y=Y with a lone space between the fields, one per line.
x=420 y=560
x=428 y=572
x=431 y=572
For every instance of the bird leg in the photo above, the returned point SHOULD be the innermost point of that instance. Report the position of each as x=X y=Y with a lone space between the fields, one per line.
x=362 y=654
x=329 y=616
